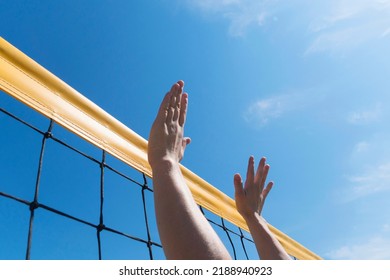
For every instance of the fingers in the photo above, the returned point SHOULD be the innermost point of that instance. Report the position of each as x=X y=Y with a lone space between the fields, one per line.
x=177 y=101
x=260 y=168
x=172 y=109
x=261 y=173
x=175 y=106
x=164 y=106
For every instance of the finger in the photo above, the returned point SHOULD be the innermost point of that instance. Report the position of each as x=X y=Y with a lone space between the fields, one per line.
x=267 y=190
x=239 y=191
x=250 y=173
x=183 y=109
x=264 y=176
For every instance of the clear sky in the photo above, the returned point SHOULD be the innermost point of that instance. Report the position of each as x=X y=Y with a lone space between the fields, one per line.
x=304 y=83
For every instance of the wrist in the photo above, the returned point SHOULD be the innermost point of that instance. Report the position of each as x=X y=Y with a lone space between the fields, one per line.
x=253 y=216
x=163 y=164
x=256 y=222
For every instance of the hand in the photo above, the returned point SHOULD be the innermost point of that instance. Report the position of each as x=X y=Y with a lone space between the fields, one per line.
x=250 y=198
x=166 y=140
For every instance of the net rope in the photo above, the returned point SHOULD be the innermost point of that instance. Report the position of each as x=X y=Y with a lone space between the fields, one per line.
x=31 y=84
x=35 y=204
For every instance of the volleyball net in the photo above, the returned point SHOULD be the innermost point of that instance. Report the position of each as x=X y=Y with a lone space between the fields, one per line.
x=108 y=147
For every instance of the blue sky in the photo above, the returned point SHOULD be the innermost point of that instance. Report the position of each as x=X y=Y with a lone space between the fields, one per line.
x=304 y=84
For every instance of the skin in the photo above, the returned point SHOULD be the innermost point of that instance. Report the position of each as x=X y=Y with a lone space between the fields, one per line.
x=250 y=199
x=184 y=231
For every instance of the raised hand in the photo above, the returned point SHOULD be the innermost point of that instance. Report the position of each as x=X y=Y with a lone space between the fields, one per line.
x=166 y=140
x=184 y=231
x=250 y=198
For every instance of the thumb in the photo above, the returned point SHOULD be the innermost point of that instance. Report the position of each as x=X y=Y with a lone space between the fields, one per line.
x=185 y=141
x=239 y=191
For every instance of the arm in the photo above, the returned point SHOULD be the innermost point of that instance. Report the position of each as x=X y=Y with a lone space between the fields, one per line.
x=184 y=231
x=250 y=200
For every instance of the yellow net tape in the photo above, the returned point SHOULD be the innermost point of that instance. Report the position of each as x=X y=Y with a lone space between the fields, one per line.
x=30 y=83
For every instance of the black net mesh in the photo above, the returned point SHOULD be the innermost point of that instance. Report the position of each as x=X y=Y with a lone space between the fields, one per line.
x=62 y=198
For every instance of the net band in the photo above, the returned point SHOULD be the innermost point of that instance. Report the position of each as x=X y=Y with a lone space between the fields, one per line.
x=33 y=85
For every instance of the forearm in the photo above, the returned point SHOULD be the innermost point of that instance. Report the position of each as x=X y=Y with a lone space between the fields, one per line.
x=267 y=245
x=184 y=231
